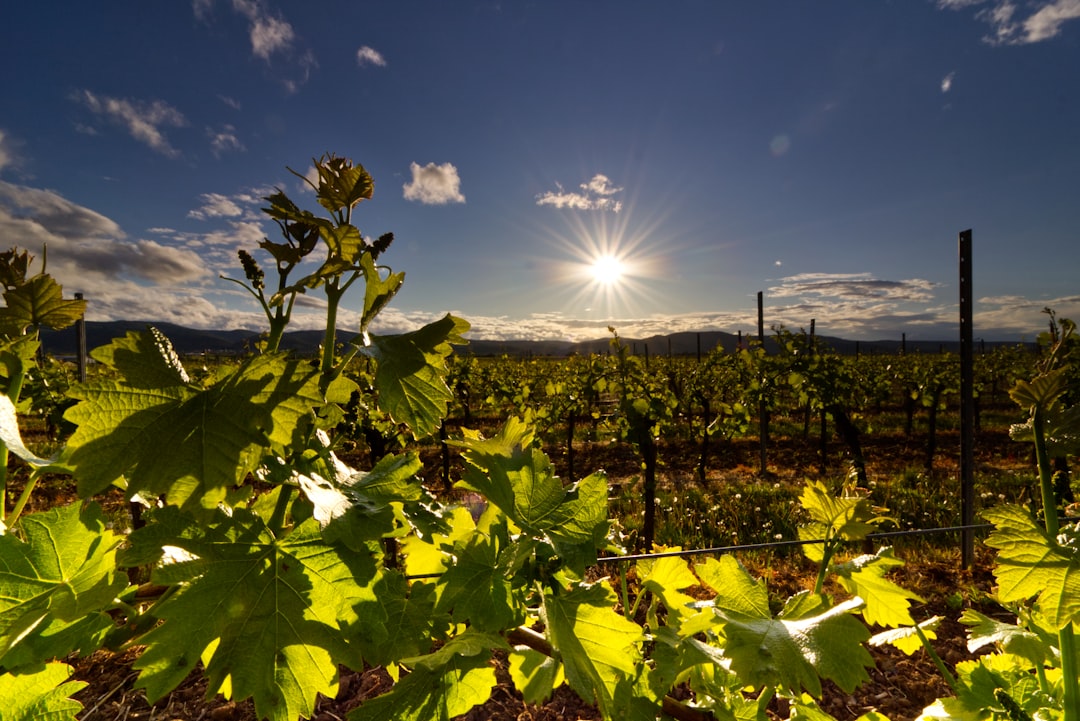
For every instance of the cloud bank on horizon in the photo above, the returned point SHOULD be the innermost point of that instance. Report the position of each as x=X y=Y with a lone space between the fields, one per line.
x=172 y=272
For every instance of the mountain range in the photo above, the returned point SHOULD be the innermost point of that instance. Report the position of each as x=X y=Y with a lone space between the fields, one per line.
x=189 y=341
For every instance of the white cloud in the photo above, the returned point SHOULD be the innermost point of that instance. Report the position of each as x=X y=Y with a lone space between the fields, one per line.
x=596 y=195
x=216 y=205
x=224 y=140
x=144 y=120
x=269 y=33
x=1047 y=21
x=7 y=157
x=434 y=184
x=947 y=81
x=370 y=56
x=231 y=102
x=1010 y=25
x=852 y=286
x=86 y=247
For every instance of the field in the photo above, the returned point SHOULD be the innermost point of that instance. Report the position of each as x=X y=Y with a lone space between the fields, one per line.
x=395 y=530
x=735 y=505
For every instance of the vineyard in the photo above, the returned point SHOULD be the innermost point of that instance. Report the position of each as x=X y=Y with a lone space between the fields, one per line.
x=505 y=537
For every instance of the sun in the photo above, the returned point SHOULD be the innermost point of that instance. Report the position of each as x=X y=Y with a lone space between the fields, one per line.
x=607 y=270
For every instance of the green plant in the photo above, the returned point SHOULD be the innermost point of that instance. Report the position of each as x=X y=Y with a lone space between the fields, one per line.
x=1032 y=671
x=31 y=303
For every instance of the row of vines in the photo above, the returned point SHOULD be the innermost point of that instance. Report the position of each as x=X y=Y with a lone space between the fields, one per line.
x=263 y=559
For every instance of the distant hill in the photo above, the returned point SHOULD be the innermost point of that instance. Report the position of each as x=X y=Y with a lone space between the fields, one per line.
x=188 y=341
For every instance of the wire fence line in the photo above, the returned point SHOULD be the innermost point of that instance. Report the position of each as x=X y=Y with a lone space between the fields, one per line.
x=761 y=546
x=787 y=544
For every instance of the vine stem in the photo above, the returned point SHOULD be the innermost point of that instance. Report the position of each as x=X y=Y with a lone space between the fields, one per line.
x=277 y=520
x=941 y=667
x=1066 y=637
x=23 y=497
x=524 y=636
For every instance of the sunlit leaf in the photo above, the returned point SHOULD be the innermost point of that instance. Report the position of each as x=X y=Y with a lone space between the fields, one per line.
x=40 y=695
x=264 y=615
x=907 y=638
x=599 y=648
x=65 y=570
x=39 y=303
x=1009 y=637
x=886 y=603
x=165 y=436
x=411 y=373
x=1032 y=565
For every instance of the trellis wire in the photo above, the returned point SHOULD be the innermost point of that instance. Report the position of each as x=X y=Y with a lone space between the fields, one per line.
x=760 y=546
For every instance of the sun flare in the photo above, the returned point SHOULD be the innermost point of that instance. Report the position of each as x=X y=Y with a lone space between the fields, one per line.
x=607 y=270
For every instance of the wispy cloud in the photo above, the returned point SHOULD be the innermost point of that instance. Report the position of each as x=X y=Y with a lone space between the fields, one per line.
x=596 y=195
x=216 y=205
x=852 y=285
x=947 y=81
x=143 y=120
x=223 y=140
x=269 y=32
x=231 y=102
x=270 y=35
x=434 y=184
x=367 y=55
x=1011 y=24
x=7 y=156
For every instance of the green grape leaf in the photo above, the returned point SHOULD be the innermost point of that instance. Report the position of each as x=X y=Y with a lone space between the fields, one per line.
x=535 y=675
x=425 y=556
x=17 y=355
x=144 y=359
x=599 y=649
x=521 y=482
x=164 y=436
x=793 y=654
x=345 y=242
x=378 y=291
x=40 y=695
x=805 y=604
x=738 y=592
x=1009 y=637
x=485 y=460
x=264 y=615
x=342 y=183
x=850 y=517
x=356 y=506
x=411 y=373
x=1030 y=564
x=395 y=620
x=667 y=578
x=979 y=682
x=907 y=638
x=37 y=303
x=441 y=686
x=65 y=570
x=1043 y=390
x=886 y=603
x=476 y=588
x=54 y=638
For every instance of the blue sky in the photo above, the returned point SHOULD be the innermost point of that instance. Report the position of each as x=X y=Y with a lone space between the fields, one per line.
x=826 y=154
